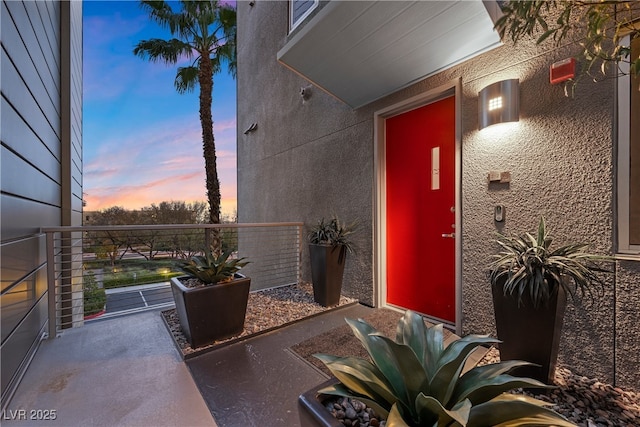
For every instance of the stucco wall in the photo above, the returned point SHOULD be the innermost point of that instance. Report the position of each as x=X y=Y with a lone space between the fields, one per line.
x=627 y=321
x=311 y=158
x=306 y=159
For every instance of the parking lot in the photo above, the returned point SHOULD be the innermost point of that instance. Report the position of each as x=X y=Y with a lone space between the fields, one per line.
x=138 y=298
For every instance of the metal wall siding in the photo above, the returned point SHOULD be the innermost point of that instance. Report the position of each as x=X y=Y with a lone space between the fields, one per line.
x=19 y=137
x=22 y=179
x=18 y=257
x=23 y=217
x=32 y=162
x=20 y=299
x=21 y=342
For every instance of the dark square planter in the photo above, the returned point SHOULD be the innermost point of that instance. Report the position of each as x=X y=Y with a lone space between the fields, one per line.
x=312 y=411
x=212 y=312
x=327 y=268
x=528 y=333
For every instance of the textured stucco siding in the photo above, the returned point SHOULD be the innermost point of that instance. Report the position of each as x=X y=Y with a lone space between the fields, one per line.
x=310 y=158
x=627 y=321
x=307 y=159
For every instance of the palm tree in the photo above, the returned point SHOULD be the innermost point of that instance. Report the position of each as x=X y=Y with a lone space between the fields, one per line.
x=204 y=32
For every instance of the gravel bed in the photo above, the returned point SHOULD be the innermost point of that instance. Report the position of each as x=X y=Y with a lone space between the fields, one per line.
x=266 y=310
x=586 y=401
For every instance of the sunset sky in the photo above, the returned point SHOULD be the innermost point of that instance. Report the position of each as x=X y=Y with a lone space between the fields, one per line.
x=141 y=139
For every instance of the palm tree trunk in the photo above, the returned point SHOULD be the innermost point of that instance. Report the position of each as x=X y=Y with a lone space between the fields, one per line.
x=205 y=77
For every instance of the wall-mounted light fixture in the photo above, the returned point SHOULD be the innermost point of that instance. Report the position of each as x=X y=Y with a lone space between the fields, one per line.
x=498 y=103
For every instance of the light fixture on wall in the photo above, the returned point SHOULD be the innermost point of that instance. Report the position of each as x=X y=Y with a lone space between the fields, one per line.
x=499 y=103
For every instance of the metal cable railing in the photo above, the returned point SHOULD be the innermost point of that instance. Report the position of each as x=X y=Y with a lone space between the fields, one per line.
x=112 y=270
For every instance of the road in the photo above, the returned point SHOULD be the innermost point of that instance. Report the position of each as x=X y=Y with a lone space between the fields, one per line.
x=138 y=298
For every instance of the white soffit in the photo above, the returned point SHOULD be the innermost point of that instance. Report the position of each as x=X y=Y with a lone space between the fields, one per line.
x=360 y=51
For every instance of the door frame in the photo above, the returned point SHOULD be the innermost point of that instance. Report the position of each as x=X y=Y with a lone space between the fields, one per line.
x=451 y=88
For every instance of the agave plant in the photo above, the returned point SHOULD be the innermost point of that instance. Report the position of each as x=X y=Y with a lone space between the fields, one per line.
x=417 y=381
x=333 y=233
x=529 y=266
x=211 y=269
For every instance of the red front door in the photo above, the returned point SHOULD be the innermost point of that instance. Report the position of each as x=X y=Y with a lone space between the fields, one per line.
x=420 y=217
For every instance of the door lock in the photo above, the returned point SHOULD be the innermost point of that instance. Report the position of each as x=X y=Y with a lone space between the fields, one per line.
x=449 y=235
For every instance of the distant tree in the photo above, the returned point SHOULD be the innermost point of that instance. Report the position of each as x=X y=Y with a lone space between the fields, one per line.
x=204 y=31
x=183 y=243
x=597 y=25
x=110 y=243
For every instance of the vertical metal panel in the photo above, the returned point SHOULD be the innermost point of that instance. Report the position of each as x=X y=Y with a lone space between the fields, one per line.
x=32 y=150
x=17 y=301
x=20 y=345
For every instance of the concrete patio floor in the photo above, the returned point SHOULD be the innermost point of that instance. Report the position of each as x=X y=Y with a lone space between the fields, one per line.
x=123 y=371
x=126 y=371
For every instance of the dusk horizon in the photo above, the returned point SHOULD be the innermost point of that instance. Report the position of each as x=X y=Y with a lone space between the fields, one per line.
x=143 y=140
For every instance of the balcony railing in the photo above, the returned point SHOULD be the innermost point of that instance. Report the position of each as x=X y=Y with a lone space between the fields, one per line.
x=87 y=264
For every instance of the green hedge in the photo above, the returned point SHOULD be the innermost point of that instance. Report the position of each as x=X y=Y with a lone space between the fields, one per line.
x=94 y=297
x=119 y=280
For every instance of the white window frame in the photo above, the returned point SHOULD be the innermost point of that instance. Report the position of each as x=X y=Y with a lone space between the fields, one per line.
x=293 y=25
x=624 y=157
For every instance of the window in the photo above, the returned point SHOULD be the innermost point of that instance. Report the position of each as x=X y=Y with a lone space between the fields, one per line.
x=629 y=159
x=299 y=10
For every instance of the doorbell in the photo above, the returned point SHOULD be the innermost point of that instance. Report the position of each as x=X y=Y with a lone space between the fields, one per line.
x=498 y=213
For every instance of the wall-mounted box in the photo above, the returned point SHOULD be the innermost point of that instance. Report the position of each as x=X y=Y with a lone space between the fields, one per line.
x=499 y=176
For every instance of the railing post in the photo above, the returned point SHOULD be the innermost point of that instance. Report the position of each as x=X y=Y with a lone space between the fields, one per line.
x=51 y=286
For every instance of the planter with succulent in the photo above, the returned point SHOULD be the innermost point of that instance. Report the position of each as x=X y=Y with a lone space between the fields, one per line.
x=415 y=380
x=211 y=301
x=329 y=242
x=530 y=283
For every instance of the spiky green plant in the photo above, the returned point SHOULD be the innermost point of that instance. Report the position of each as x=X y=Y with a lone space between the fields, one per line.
x=417 y=381
x=527 y=265
x=211 y=269
x=333 y=233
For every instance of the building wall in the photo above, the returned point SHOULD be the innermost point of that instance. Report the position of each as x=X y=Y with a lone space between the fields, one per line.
x=309 y=158
x=292 y=168
x=41 y=143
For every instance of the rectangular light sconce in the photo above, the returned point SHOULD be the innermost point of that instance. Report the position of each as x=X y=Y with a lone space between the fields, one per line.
x=499 y=103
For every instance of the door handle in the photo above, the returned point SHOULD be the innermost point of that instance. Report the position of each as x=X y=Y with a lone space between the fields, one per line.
x=449 y=235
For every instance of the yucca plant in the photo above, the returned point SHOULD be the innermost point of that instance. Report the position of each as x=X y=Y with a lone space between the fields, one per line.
x=417 y=381
x=329 y=242
x=333 y=233
x=528 y=265
x=211 y=269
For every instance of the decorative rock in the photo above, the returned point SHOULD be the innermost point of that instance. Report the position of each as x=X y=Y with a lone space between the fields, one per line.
x=351 y=414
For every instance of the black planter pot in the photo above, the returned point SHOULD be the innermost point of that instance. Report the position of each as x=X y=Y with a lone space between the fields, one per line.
x=327 y=268
x=528 y=333
x=213 y=312
x=312 y=411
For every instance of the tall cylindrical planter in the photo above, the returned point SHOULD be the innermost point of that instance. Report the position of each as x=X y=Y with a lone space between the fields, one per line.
x=528 y=333
x=327 y=268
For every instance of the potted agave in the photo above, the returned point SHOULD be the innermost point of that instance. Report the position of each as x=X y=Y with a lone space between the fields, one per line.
x=329 y=242
x=211 y=300
x=530 y=282
x=415 y=380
